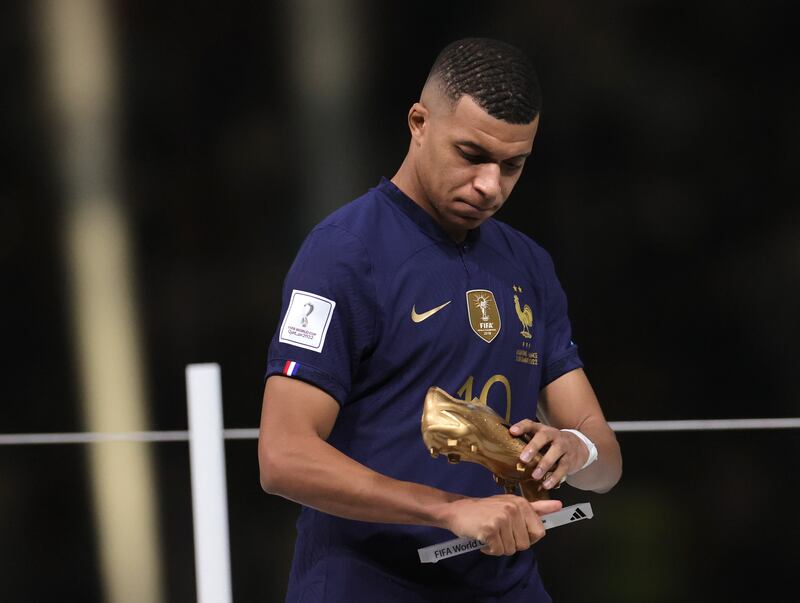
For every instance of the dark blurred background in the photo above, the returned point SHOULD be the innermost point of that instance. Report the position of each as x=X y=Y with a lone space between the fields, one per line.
x=161 y=162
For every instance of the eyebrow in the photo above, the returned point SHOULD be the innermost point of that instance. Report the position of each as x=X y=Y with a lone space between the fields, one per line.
x=484 y=152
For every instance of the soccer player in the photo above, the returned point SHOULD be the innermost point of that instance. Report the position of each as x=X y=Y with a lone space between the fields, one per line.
x=415 y=285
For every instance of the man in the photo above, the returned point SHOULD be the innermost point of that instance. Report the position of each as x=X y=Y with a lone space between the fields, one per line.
x=414 y=285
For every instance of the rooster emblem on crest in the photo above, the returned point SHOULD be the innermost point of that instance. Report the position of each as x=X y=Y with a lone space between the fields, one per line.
x=524 y=313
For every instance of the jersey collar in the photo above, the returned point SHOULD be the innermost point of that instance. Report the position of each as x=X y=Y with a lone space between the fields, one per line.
x=422 y=218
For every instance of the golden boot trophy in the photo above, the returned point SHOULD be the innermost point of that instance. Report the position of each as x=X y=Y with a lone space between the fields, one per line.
x=471 y=431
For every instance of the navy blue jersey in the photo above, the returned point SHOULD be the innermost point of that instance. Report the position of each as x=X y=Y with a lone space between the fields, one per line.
x=379 y=305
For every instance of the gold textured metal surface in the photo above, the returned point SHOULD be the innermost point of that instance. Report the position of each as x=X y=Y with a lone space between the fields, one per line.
x=471 y=431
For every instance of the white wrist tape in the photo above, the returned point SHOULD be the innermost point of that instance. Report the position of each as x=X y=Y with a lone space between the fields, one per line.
x=589 y=444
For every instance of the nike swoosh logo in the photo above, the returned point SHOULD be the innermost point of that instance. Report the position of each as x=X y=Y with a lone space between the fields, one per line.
x=426 y=315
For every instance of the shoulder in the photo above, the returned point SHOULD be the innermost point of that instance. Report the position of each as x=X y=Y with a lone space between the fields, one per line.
x=359 y=218
x=374 y=227
x=345 y=232
x=516 y=246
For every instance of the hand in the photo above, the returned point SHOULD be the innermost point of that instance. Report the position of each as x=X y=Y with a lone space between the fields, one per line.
x=505 y=523
x=563 y=453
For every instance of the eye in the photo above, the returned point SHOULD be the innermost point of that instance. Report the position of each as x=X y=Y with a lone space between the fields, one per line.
x=474 y=159
x=513 y=166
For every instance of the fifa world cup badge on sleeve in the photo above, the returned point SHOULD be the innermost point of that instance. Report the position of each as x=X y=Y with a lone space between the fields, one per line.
x=307 y=320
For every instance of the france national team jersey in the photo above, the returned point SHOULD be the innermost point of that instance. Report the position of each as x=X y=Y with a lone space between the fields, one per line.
x=379 y=305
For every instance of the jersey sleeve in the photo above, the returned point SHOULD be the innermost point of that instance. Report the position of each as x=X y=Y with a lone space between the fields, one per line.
x=328 y=313
x=560 y=353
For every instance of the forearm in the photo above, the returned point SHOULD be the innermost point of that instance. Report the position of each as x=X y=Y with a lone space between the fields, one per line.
x=310 y=471
x=606 y=471
x=569 y=402
x=296 y=462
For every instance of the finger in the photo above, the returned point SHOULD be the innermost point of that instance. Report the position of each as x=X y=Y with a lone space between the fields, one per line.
x=553 y=479
x=519 y=526
x=524 y=426
x=507 y=538
x=492 y=545
x=543 y=507
x=532 y=448
x=536 y=531
x=532 y=523
x=548 y=461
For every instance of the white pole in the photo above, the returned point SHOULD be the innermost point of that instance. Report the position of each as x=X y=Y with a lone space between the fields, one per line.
x=209 y=489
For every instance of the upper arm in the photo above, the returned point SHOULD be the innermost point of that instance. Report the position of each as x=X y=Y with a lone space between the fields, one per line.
x=326 y=327
x=292 y=408
x=292 y=413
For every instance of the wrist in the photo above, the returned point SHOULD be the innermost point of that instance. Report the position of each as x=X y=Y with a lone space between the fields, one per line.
x=442 y=514
x=592 y=449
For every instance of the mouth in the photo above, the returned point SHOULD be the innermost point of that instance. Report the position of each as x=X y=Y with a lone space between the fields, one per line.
x=469 y=210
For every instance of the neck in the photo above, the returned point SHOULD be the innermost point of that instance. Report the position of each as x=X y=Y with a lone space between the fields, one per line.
x=408 y=181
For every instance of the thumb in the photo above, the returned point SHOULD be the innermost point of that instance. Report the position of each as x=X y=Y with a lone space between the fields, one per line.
x=543 y=507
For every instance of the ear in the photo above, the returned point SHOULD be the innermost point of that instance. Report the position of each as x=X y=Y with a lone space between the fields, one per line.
x=418 y=118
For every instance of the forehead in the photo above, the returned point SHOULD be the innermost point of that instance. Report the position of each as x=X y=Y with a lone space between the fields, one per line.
x=469 y=122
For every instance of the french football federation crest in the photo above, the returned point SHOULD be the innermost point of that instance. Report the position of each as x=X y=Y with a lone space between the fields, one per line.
x=484 y=317
x=524 y=313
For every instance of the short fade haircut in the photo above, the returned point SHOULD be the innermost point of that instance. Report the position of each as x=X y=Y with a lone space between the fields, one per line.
x=496 y=75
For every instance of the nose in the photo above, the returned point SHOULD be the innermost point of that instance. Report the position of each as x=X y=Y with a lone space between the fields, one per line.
x=487 y=181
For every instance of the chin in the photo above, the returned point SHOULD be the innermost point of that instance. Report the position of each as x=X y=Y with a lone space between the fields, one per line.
x=467 y=222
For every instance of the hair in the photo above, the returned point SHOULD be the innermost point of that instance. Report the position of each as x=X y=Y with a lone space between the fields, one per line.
x=496 y=75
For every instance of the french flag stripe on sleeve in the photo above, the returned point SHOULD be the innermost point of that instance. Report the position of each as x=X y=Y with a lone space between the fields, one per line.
x=290 y=368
